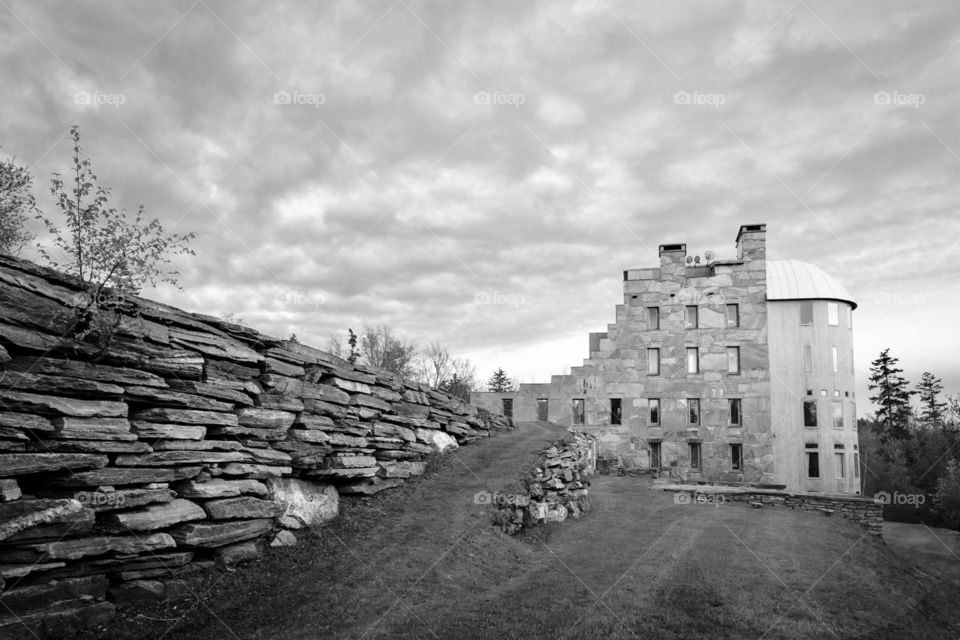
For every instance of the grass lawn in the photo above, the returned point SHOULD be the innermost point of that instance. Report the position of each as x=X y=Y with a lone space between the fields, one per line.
x=423 y=561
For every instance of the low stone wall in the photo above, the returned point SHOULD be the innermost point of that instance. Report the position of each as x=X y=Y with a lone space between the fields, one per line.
x=553 y=490
x=164 y=441
x=863 y=511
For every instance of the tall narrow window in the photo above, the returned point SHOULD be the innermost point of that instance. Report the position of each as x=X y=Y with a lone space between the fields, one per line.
x=653 y=362
x=736 y=457
x=836 y=360
x=616 y=411
x=807 y=358
x=691 y=317
x=507 y=406
x=851 y=362
x=733 y=359
x=833 y=314
x=654 y=405
x=693 y=360
x=695 y=455
x=653 y=317
x=856 y=464
x=735 y=416
x=543 y=413
x=837 y=414
x=839 y=465
x=806 y=313
x=733 y=315
x=578 y=411
x=655 y=460
x=810 y=413
x=853 y=415
x=693 y=411
x=813 y=461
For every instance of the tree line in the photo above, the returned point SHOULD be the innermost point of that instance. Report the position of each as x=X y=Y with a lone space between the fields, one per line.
x=910 y=453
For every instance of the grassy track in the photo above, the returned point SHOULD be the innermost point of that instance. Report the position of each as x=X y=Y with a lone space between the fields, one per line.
x=423 y=561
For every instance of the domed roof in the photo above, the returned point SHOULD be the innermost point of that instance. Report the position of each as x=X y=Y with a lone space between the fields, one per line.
x=798 y=280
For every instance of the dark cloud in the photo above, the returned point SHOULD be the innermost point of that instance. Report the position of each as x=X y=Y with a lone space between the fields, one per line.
x=481 y=174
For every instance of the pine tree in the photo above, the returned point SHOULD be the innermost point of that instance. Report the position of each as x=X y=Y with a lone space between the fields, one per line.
x=352 y=341
x=932 y=411
x=499 y=381
x=892 y=397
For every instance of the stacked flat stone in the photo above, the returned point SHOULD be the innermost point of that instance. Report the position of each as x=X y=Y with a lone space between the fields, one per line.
x=554 y=490
x=129 y=461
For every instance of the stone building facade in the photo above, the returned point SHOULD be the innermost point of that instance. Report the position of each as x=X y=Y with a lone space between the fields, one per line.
x=736 y=370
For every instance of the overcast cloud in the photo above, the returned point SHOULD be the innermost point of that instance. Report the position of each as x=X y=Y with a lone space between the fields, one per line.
x=481 y=173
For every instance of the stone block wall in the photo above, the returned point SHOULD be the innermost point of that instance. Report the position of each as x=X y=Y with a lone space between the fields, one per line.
x=164 y=441
x=865 y=512
x=554 y=489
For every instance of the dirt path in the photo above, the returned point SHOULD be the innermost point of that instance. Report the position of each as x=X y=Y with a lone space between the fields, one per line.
x=424 y=562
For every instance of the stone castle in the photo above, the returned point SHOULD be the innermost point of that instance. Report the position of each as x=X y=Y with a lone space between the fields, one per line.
x=735 y=371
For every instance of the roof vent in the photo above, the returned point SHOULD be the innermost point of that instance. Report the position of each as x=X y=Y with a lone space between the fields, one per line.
x=672 y=247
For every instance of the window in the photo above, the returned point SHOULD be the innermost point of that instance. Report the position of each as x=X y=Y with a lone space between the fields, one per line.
x=837 y=414
x=807 y=358
x=810 y=413
x=853 y=415
x=690 y=318
x=655 y=459
x=833 y=314
x=851 y=361
x=653 y=362
x=693 y=360
x=813 y=461
x=836 y=361
x=654 y=405
x=806 y=313
x=507 y=407
x=735 y=415
x=653 y=317
x=848 y=314
x=695 y=455
x=578 y=411
x=616 y=411
x=693 y=411
x=736 y=457
x=733 y=359
x=839 y=466
x=856 y=464
x=543 y=409
x=733 y=315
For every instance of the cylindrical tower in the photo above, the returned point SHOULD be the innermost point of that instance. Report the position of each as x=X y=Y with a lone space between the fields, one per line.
x=812 y=397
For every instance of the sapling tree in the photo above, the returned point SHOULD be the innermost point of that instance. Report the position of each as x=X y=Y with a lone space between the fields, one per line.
x=113 y=254
x=16 y=202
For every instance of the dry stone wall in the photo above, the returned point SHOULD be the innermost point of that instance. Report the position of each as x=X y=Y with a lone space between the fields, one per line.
x=555 y=489
x=166 y=441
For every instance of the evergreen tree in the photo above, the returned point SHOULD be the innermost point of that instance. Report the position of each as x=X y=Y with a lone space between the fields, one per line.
x=499 y=381
x=352 y=341
x=892 y=397
x=932 y=411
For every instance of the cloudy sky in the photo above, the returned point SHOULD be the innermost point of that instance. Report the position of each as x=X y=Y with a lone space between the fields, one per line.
x=481 y=173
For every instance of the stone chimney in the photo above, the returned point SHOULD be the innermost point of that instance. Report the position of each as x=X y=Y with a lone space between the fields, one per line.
x=672 y=261
x=752 y=242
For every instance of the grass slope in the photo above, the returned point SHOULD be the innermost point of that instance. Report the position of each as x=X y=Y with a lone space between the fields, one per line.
x=423 y=561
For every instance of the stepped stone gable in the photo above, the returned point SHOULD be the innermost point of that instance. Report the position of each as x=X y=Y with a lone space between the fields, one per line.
x=702 y=375
x=189 y=440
